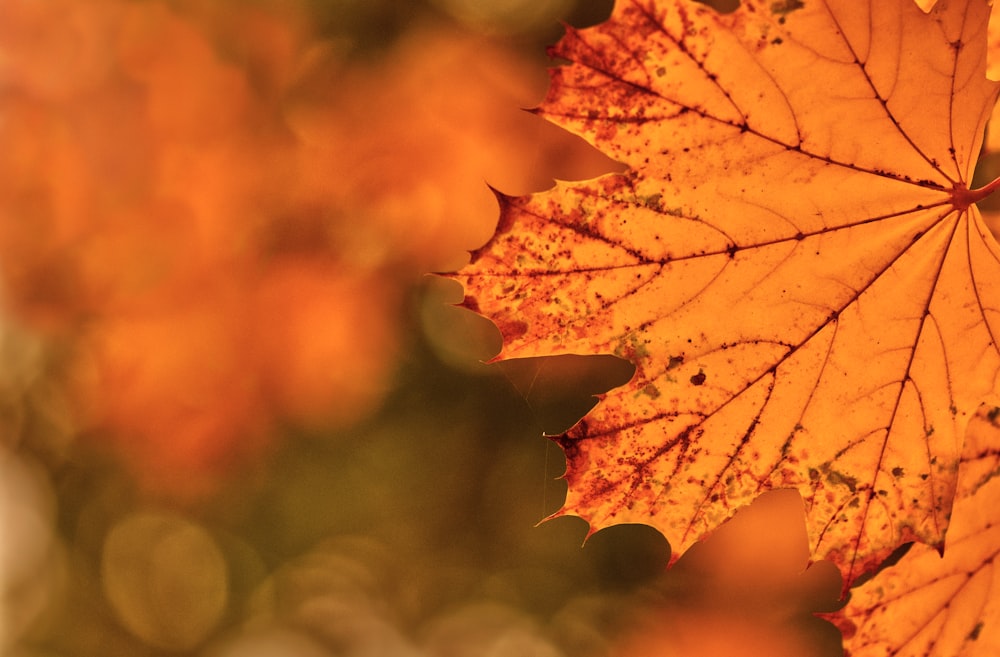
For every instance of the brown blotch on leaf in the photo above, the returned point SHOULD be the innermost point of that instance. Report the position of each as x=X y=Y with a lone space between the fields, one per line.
x=786 y=6
x=511 y=329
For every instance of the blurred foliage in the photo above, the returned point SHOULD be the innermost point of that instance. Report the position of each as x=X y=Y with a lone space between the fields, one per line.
x=239 y=419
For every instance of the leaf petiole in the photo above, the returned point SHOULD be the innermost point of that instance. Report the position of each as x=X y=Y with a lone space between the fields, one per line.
x=962 y=197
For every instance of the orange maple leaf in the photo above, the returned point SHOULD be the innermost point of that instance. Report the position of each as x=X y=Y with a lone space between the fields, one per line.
x=793 y=262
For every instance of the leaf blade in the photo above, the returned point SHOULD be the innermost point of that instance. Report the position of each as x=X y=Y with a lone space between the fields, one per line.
x=784 y=262
x=932 y=605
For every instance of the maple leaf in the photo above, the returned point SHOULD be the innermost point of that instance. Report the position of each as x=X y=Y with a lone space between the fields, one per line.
x=793 y=262
x=931 y=606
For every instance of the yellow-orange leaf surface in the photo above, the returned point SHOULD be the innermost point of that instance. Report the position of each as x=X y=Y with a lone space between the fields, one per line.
x=793 y=261
x=929 y=606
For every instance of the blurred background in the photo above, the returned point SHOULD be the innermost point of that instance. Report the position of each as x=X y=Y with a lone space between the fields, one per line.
x=239 y=417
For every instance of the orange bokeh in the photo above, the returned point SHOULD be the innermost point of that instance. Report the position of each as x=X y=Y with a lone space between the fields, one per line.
x=219 y=212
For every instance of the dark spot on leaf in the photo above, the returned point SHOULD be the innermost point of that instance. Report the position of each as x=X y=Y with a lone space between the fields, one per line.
x=974 y=634
x=511 y=330
x=897 y=471
x=699 y=378
x=782 y=7
x=992 y=414
x=675 y=361
x=838 y=478
x=471 y=303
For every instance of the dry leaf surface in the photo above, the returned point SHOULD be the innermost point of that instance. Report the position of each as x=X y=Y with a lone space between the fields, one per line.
x=793 y=261
x=929 y=606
